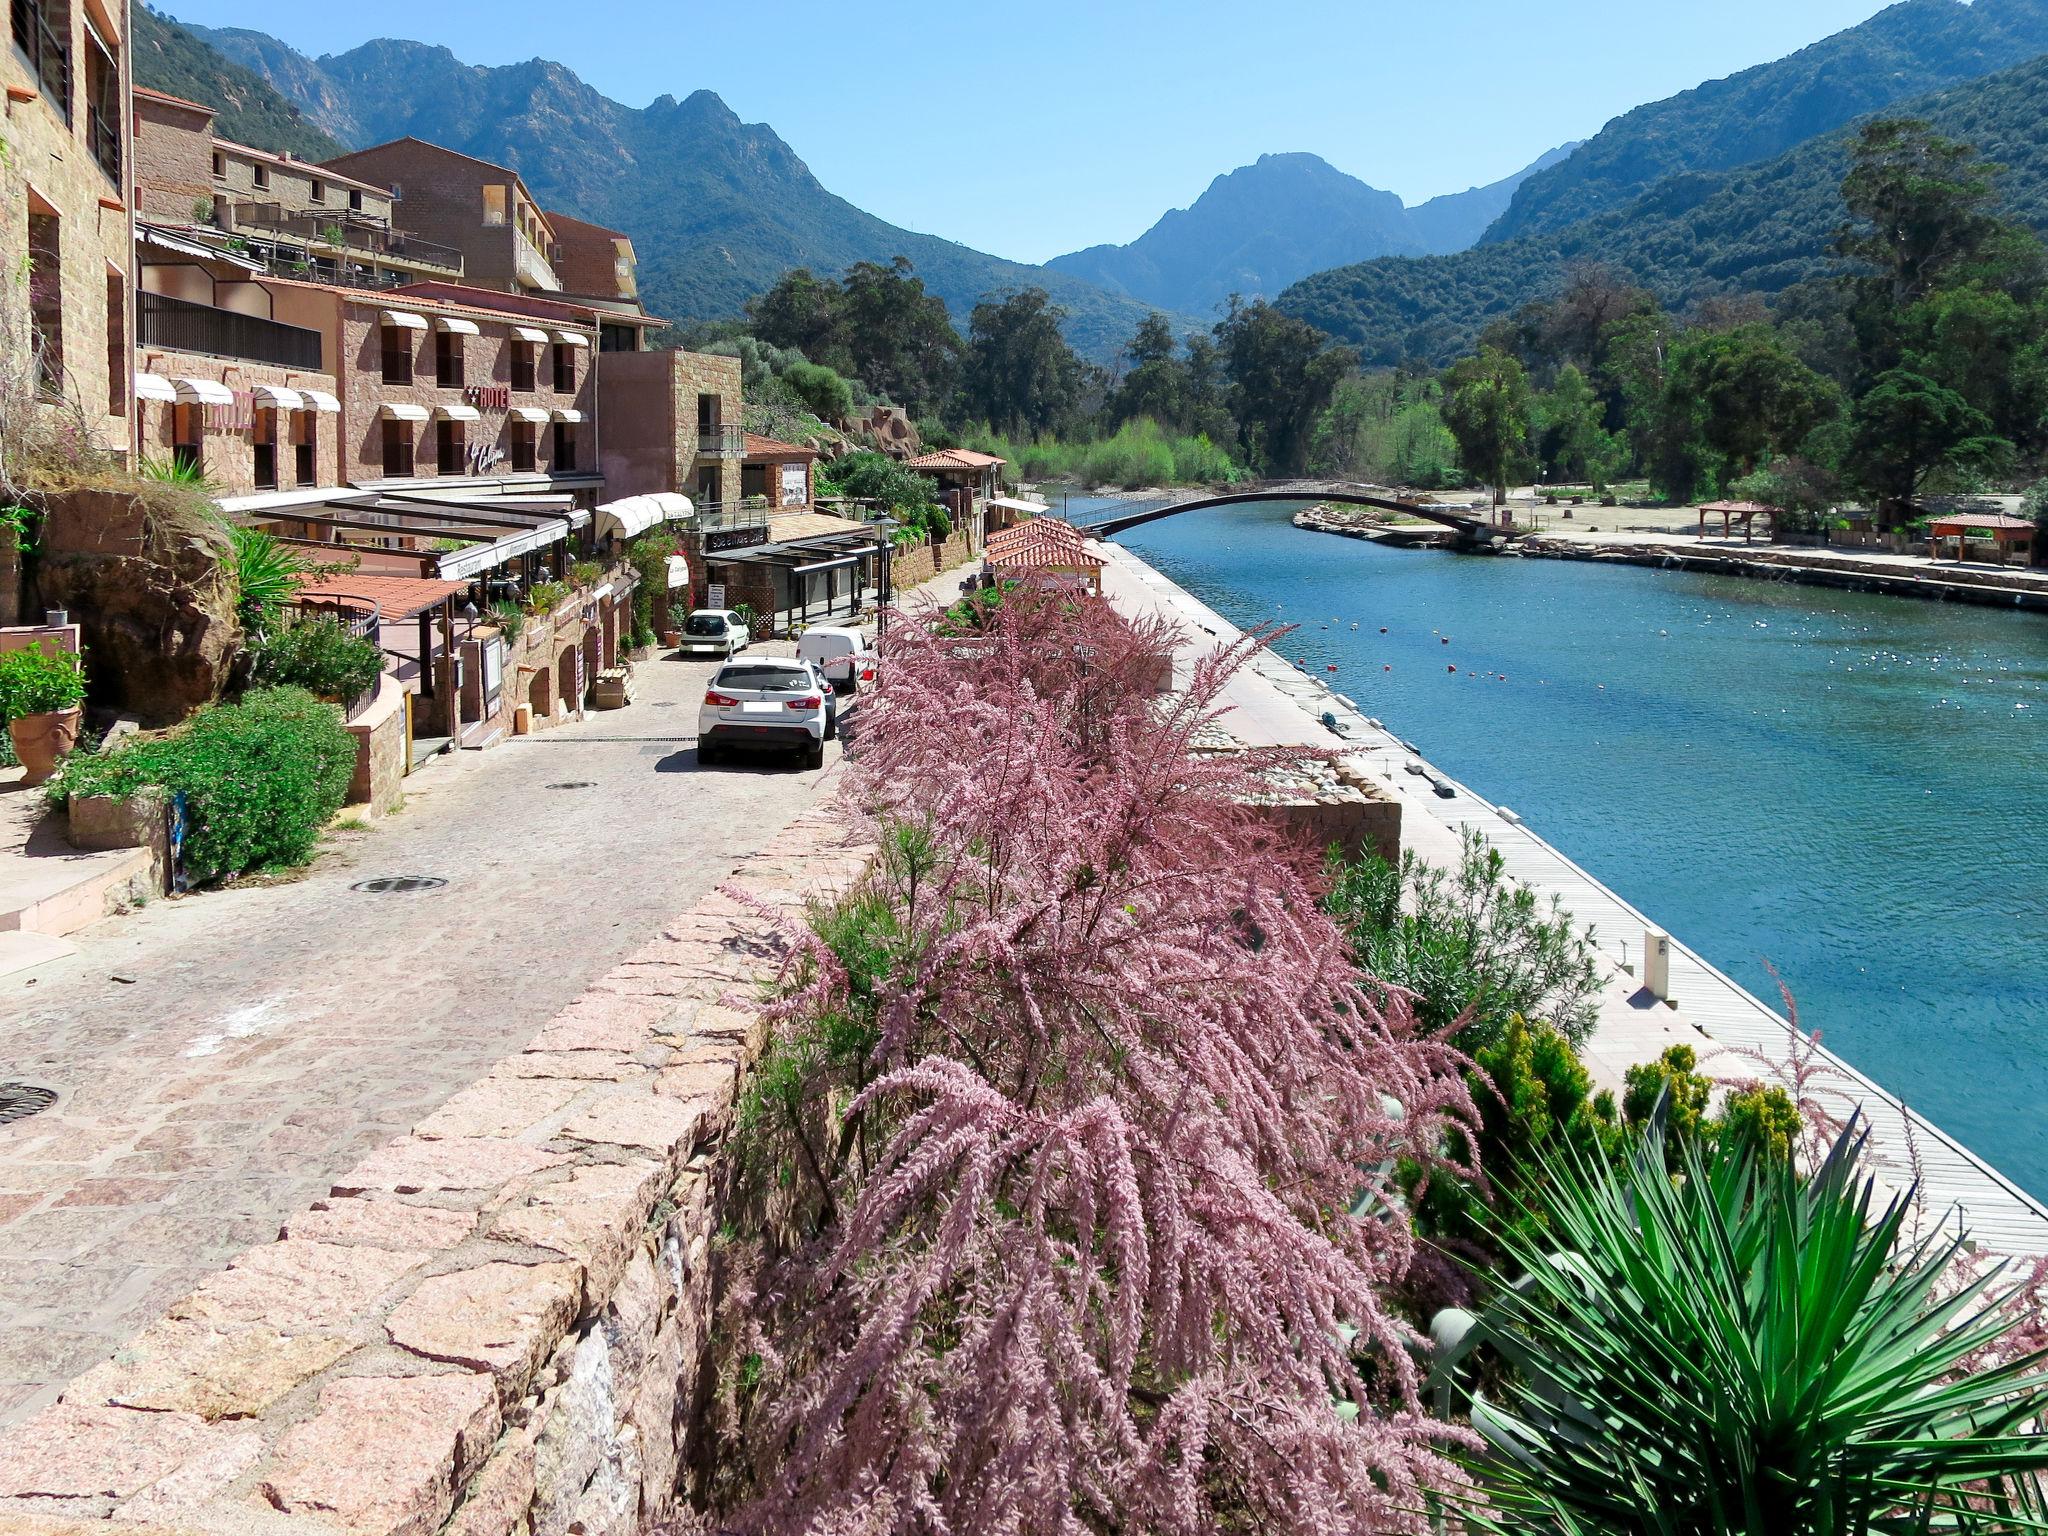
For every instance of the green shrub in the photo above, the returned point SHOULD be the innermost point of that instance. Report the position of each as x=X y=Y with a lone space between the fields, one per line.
x=1471 y=943
x=37 y=681
x=586 y=573
x=822 y=391
x=545 y=597
x=648 y=556
x=510 y=619
x=320 y=656
x=260 y=779
x=266 y=575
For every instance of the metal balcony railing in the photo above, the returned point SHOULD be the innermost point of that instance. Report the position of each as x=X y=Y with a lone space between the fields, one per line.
x=188 y=327
x=531 y=266
x=48 y=53
x=717 y=516
x=103 y=132
x=339 y=231
x=721 y=441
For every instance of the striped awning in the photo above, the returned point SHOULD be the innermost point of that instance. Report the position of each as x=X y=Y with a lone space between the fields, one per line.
x=319 y=400
x=277 y=397
x=203 y=392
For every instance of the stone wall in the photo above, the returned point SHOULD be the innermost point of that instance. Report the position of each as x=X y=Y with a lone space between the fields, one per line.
x=924 y=561
x=493 y=1326
x=379 y=730
x=226 y=435
x=173 y=159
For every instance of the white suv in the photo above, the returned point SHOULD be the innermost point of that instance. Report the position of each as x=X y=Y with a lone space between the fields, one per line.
x=714 y=632
x=775 y=702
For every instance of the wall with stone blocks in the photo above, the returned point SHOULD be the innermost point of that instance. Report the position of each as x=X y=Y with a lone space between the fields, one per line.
x=924 y=561
x=379 y=780
x=493 y=1326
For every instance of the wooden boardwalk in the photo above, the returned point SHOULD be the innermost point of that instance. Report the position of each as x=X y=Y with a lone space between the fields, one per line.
x=1274 y=703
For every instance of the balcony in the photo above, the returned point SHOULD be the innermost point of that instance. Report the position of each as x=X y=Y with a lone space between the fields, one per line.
x=721 y=442
x=529 y=267
x=188 y=327
x=345 y=232
x=47 y=51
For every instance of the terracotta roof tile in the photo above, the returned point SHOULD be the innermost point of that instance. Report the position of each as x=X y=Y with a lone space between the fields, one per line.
x=396 y=597
x=759 y=447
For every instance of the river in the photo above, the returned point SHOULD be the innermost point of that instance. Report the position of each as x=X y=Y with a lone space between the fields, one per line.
x=1844 y=787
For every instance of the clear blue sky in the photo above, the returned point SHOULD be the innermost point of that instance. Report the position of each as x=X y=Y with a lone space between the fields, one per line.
x=1037 y=127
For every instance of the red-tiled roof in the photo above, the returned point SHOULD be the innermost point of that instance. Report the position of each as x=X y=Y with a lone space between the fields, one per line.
x=1043 y=543
x=955 y=458
x=759 y=447
x=396 y=597
x=1980 y=520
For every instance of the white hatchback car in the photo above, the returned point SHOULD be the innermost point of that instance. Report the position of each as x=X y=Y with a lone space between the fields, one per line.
x=714 y=632
x=774 y=703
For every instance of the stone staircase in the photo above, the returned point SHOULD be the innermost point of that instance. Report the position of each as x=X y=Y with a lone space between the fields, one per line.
x=47 y=887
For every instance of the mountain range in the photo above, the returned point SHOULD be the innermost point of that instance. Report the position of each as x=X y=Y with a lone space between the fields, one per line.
x=1723 y=188
x=1258 y=228
x=1704 y=229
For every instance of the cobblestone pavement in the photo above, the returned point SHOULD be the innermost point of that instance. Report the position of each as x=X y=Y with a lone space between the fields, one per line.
x=220 y=1058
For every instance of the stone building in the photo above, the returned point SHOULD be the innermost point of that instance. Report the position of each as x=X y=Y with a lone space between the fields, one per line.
x=672 y=423
x=292 y=218
x=482 y=210
x=65 y=237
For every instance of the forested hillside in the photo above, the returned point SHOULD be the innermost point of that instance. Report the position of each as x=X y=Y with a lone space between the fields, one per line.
x=1761 y=229
x=1907 y=50
x=169 y=58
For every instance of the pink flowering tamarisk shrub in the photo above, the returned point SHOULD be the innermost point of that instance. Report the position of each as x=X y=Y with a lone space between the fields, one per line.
x=1070 y=1133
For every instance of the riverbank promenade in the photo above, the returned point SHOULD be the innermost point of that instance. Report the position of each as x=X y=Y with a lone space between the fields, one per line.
x=1273 y=704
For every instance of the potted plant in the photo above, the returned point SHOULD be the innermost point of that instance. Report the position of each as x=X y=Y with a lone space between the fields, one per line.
x=40 y=694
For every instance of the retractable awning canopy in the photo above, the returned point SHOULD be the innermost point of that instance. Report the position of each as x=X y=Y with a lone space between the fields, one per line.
x=203 y=392
x=400 y=410
x=151 y=386
x=319 y=400
x=569 y=416
x=457 y=413
x=530 y=413
x=455 y=325
x=495 y=530
x=634 y=515
x=572 y=339
x=532 y=334
x=277 y=397
x=405 y=319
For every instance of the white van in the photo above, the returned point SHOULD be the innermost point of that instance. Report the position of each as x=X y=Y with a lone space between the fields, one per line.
x=839 y=652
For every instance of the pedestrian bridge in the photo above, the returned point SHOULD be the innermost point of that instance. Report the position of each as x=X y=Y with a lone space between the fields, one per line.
x=1470 y=529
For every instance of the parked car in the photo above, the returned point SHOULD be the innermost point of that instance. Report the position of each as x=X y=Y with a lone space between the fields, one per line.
x=773 y=703
x=840 y=652
x=714 y=632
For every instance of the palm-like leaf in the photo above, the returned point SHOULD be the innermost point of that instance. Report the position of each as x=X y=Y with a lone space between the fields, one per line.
x=1742 y=1348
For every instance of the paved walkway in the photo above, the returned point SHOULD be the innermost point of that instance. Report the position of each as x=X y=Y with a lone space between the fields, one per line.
x=1273 y=704
x=221 y=1058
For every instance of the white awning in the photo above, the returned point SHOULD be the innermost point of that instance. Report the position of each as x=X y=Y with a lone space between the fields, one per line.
x=572 y=339
x=1013 y=504
x=319 y=400
x=203 y=392
x=628 y=517
x=150 y=386
x=528 y=333
x=398 y=411
x=456 y=412
x=570 y=416
x=678 y=572
x=277 y=397
x=455 y=326
x=528 y=413
x=405 y=319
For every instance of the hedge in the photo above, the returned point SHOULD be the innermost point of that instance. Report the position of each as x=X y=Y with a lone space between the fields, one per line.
x=261 y=779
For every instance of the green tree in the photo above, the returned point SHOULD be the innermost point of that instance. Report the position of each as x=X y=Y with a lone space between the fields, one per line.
x=1905 y=428
x=1486 y=406
x=824 y=392
x=1571 y=420
x=1020 y=376
x=877 y=324
x=1986 y=345
x=1282 y=373
x=801 y=311
x=1157 y=385
x=1734 y=397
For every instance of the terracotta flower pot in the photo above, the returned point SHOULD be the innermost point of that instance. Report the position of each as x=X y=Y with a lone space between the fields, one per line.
x=43 y=741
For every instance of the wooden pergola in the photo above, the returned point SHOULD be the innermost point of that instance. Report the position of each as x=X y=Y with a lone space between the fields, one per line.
x=1732 y=512
x=2010 y=536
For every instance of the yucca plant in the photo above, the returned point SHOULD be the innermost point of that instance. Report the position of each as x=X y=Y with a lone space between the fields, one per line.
x=266 y=572
x=1741 y=1347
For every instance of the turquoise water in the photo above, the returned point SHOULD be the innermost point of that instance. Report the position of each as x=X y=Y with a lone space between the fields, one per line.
x=1844 y=787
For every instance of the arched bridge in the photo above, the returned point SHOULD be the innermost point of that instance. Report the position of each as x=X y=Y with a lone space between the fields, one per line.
x=1470 y=530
